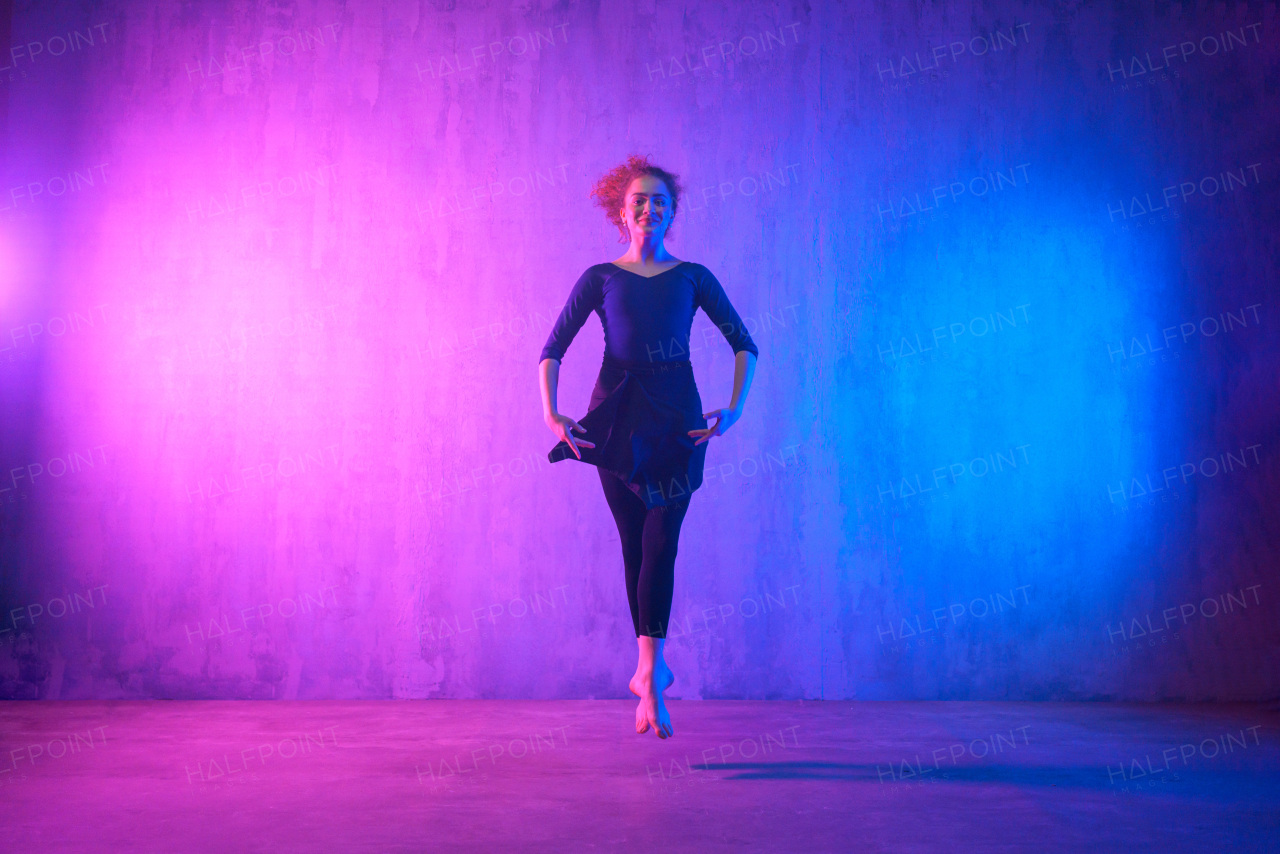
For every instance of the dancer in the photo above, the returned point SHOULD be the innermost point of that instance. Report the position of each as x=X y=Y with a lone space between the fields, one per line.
x=645 y=430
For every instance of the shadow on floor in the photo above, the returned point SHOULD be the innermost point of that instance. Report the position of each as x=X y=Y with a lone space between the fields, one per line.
x=910 y=772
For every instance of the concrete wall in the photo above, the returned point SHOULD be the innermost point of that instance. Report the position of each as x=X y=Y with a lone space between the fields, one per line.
x=275 y=277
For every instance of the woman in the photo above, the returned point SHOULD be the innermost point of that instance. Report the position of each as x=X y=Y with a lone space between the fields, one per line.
x=645 y=413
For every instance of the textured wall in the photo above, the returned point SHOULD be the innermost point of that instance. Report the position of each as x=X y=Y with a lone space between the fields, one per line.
x=274 y=277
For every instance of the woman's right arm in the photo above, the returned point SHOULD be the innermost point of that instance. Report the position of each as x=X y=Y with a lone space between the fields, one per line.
x=584 y=298
x=561 y=425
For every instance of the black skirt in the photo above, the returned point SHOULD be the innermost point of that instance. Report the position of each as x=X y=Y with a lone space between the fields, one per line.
x=639 y=419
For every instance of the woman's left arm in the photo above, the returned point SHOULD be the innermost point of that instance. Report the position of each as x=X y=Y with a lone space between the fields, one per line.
x=715 y=302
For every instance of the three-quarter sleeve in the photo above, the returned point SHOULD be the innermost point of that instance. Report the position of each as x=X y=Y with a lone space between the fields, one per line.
x=715 y=302
x=586 y=297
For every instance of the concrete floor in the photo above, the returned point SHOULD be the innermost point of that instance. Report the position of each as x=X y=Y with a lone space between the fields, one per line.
x=572 y=776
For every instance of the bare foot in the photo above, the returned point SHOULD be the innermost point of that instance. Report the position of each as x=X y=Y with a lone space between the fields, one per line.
x=653 y=676
x=651 y=711
x=664 y=680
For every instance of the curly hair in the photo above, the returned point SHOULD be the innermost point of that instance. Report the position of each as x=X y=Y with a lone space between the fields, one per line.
x=610 y=192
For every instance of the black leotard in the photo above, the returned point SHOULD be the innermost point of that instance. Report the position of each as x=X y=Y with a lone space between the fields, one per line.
x=646 y=319
x=644 y=403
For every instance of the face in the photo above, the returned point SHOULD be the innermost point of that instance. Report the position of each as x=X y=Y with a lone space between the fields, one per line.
x=647 y=208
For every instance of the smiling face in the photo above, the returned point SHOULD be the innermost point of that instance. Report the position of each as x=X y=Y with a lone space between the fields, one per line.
x=647 y=209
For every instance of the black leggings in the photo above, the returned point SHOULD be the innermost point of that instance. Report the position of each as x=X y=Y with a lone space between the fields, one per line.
x=649 y=539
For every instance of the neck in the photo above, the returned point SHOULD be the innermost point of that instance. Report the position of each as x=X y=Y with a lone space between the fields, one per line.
x=646 y=249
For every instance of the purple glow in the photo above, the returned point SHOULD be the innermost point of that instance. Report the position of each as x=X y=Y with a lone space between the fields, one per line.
x=273 y=287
